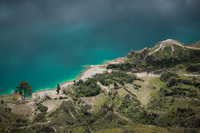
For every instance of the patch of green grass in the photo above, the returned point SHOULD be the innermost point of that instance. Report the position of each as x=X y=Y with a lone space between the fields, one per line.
x=136 y=128
x=117 y=101
x=152 y=49
x=78 y=130
x=183 y=77
x=177 y=50
x=99 y=101
x=143 y=62
x=122 y=92
x=157 y=82
x=187 y=51
x=167 y=51
x=40 y=117
x=161 y=54
x=156 y=95
x=130 y=59
x=113 y=130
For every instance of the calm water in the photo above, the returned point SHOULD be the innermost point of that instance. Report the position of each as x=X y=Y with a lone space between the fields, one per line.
x=47 y=42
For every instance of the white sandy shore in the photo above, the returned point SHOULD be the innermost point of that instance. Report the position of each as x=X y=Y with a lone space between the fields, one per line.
x=88 y=73
x=91 y=71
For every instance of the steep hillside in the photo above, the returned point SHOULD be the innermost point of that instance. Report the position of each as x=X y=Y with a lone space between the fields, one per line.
x=164 y=55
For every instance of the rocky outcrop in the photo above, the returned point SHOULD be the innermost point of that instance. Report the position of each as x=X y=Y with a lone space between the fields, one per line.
x=138 y=55
x=130 y=54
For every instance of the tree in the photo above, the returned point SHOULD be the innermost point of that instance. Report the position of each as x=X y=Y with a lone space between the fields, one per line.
x=58 y=88
x=115 y=85
x=24 y=89
x=74 y=82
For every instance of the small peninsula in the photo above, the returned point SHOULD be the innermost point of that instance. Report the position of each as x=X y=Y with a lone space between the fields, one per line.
x=151 y=90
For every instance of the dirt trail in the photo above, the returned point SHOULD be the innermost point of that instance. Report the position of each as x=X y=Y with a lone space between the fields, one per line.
x=103 y=87
x=171 y=42
x=145 y=74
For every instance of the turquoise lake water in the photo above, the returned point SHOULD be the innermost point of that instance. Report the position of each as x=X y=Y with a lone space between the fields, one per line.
x=45 y=43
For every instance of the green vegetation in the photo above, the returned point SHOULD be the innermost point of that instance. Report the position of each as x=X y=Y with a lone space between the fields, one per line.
x=115 y=76
x=87 y=88
x=166 y=53
x=124 y=66
x=58 y=88
x=194 y=67
x=41 y=116
x=130 y=59
x=9 y=122
x=42 y=108
x=166 y=75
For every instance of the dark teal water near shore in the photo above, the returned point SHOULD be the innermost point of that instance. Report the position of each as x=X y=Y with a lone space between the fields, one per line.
x=45 y=43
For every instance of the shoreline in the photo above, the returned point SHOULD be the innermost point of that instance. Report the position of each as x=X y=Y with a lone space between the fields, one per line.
x=79 y=75
x=88 y=67
x=88 y=72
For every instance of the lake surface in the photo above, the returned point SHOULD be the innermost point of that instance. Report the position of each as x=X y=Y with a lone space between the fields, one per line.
x=47 y=42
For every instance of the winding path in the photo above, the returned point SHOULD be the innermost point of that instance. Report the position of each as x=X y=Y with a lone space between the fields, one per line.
x=171 y=42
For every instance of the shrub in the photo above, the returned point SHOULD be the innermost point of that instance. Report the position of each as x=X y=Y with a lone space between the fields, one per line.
x=42 y=108
x=40 y=117
x=166 y=75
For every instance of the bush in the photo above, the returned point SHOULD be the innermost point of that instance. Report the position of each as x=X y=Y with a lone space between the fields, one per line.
x=40 y=117
x=166 y=75
x=87 y=88
x=61 y=98
x=42 y=108
x=67 y=92
x=123 y=66
x=115 y=76
x=90 y=87
x=194 y=68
